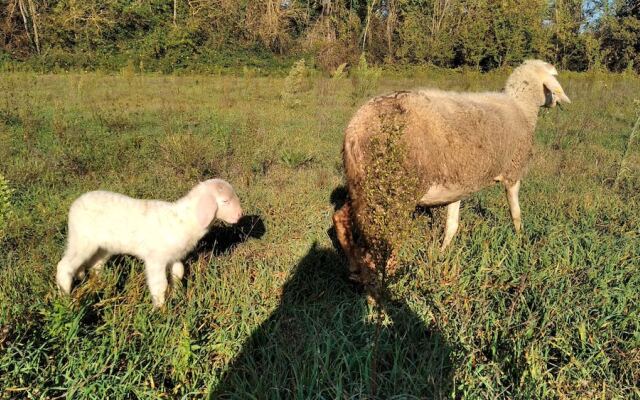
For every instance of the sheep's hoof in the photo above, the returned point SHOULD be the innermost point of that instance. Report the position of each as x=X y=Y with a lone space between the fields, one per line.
x=371 y=299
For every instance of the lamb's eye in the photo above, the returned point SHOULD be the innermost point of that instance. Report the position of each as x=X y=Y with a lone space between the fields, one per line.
x=225 y=201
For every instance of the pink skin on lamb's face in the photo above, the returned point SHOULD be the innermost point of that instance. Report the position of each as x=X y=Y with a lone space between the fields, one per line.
x=229 y=210
x=217 y=200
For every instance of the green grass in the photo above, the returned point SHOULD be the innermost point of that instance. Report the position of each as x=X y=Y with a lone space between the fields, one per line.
x=552 y=313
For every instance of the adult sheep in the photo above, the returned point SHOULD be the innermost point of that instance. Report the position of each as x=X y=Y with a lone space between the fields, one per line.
x=456 y=143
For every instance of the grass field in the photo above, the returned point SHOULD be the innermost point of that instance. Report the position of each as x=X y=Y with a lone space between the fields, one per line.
x=266 y=311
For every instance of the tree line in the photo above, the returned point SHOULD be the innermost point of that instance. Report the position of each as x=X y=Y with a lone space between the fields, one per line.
x=182 y=34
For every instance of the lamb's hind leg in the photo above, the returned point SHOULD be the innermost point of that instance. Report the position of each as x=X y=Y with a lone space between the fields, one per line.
x=177 y=272
x=95 y=263
x=451 y=227
x=512 y=190
x=157 y=281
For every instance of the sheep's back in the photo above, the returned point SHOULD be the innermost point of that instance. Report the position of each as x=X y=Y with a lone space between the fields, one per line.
x=452 y=139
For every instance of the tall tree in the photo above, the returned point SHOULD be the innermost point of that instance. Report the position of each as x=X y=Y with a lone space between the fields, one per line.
x=619 y=36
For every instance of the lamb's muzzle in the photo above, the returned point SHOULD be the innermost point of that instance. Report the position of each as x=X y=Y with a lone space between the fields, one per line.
x=160 y=233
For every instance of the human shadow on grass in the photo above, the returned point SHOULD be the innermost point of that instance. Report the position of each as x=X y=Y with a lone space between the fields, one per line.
x=319 y=343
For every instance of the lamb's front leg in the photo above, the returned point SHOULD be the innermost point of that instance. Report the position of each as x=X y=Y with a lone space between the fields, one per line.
x=451 y=227
x=157 y=281
x=512 y=190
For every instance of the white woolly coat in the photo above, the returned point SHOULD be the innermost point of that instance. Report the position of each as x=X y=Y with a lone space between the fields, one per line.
x=148 y=229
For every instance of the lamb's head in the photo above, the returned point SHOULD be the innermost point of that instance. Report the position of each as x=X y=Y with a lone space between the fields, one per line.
x=216 y=199
x=535 y=80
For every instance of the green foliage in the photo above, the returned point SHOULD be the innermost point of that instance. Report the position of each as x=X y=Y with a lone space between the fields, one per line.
x=389 y=193
x=295 y=84
x=204 y=35
x=417 y=44
x=551 y=313
x=625 y=168
x=339 y=72
x=296 y=159
x=620 y=38
x=364 y=79
x=5 y=203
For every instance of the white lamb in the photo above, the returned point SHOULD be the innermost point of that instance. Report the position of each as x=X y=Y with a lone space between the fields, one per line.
x=160 y=233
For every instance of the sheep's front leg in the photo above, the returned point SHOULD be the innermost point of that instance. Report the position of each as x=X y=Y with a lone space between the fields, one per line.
x=514 y=205
x=453 y=215
x=157 y=281
x=343 y=225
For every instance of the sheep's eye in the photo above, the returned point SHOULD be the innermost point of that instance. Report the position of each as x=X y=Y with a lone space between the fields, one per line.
x=225 y=201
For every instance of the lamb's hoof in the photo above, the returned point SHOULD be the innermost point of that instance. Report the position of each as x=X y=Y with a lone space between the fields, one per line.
x=162 y=309
x=158 y=303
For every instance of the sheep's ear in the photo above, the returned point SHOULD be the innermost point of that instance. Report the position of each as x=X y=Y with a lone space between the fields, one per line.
x=206 y=209
x=555 y=92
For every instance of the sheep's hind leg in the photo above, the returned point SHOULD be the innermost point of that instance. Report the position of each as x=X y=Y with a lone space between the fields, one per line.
x=514 y=204
x=157 y=281
x=451 y=227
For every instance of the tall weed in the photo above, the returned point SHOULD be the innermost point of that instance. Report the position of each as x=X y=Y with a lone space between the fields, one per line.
x=295 y=84
x=364 y=79
x=5 y=203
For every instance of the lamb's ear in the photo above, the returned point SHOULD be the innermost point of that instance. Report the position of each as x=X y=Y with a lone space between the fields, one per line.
x=206 y=208
x=555 y=90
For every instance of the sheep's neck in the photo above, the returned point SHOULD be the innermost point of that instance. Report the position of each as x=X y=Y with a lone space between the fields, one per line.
x=526 y=97
x=185 y=207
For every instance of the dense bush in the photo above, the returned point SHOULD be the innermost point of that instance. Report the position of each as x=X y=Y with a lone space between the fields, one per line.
x=167 y=35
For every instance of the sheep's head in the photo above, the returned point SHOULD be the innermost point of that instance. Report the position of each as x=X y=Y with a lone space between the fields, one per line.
x=216 y=199
x=538 y=78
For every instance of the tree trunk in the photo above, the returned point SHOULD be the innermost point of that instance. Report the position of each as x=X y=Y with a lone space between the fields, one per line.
x=23 y=12
x=175 y=11
x=366 y=26
x=36 y=37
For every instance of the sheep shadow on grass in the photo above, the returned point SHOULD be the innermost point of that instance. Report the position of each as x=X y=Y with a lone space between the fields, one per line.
x=222 y=239
x=319 y=343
